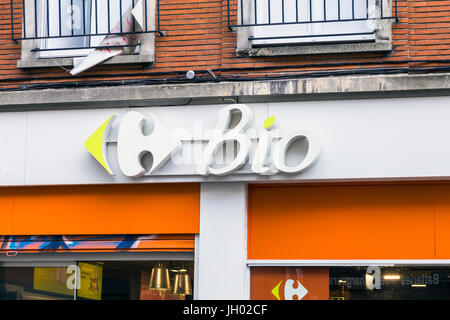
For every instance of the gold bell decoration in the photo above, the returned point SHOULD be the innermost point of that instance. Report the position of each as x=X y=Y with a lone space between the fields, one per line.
x=159 y=279
x=182 y=284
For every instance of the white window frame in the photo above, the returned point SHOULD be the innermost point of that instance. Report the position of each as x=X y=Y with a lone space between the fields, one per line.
x=347 y=263
x=64 y=58
x=313 y=32
x=381 y=40
x=29 y=258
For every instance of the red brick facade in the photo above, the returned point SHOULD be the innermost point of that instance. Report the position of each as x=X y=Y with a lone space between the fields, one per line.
x=198 y=38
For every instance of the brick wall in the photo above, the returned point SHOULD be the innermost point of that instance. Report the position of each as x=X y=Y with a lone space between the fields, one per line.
x=198 y=38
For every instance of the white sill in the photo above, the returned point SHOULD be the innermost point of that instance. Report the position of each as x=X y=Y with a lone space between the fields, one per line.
x=68 y=62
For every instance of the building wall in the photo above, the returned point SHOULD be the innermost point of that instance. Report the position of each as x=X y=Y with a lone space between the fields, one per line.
x=198 y=38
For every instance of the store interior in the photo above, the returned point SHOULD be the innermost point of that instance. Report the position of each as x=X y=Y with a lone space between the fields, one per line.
x=395 y=283
x=100 y=280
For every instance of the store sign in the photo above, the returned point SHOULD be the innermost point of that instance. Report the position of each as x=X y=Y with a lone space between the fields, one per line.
x=265 y=149
x=289 y=283
x=289 y=291
x=90 y=280
x=51 y=279
x=85 y=277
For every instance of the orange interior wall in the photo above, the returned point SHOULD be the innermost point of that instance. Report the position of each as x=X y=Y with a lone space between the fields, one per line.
x=111 y=209
x=396 y=221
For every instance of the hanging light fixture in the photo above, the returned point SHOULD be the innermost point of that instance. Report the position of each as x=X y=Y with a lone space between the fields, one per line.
x=159 y=279
x=182 y=283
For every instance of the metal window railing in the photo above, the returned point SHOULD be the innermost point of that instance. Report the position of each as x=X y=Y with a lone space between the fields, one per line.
x=77 y=19
x=249 y=12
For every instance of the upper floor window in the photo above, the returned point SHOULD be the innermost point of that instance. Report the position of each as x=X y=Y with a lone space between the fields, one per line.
x=76 y=28
x=64 y=27
x=313 y=26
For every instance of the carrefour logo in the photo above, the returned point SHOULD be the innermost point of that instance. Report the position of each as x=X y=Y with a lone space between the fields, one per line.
x=265 y=149
x=289 y=291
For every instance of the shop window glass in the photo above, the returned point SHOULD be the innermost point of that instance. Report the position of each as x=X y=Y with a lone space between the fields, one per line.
x=106 y=280
x=350 y=283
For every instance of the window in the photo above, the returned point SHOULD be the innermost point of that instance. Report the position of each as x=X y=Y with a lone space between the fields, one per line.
x=350 y=11
x=414 y=282
x=76 y=19
x=341 y=25
x=73 y=28
x=98 y=280
x=65 y=18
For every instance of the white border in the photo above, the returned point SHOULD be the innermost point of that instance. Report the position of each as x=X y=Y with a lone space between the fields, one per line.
x=196 y=266
x=324 y=263
x=94 y=256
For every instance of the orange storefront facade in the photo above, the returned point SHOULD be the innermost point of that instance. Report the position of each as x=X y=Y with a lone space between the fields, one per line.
x=316 y=202
x=117 y=180
x=332 y=237
x=98 y=242
x=325 y=239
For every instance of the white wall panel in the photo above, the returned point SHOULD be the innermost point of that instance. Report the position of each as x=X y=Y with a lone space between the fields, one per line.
x=361 y=139
x=12 y=147
x=222 y=249
x=378 y=138
x=55 y=149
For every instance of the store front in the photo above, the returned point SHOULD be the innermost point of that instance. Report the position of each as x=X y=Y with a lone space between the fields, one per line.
x=349 y=241
x=405 y=282
x=99 y=242
x=332 y=199
x=99 y=280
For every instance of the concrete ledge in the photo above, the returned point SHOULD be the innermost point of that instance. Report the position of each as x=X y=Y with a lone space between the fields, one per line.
x=316 y=49
x=250 y=91
x=68 y=62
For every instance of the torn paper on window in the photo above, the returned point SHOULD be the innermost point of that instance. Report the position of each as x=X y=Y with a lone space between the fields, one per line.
x=131 y=17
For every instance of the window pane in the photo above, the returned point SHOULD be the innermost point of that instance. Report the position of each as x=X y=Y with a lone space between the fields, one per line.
x=107 y=280
x=40 y=283
x=133 y=280
x=304 y=11
x=66 y=18
x=350 y=283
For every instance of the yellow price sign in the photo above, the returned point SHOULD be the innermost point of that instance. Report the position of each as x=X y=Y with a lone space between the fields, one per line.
x=90 y=286
x=52 y=280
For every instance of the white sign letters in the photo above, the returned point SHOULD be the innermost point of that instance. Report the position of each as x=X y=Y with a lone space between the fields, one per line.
x=266 y=150
x=132 y=144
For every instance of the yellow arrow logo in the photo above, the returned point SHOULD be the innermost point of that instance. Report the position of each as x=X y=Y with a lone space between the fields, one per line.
x=276 y=290
x=96 y=143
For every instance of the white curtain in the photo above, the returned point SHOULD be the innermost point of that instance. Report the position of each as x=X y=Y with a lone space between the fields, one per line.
x=133 y=17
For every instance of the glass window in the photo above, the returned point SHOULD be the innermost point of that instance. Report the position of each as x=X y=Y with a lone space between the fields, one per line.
x=306 y=21
x=106 y=280
x=350 y=283
x=66 y=22
x=69 y=24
